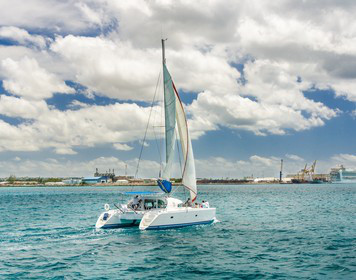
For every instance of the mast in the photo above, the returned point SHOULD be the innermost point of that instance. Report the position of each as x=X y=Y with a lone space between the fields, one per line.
x=169 y=116
x=175 y=118
x=163 y=52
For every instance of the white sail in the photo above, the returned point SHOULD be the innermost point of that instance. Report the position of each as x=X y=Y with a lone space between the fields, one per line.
x=170 y=122
x=175 y=115
x=188 y=177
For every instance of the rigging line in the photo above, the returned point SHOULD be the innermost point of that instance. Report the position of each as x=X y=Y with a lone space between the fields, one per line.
x=148 y=122
x=159 y=133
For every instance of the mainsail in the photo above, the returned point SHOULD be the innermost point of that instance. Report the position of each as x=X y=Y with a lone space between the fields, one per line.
x=170 y=121
x=175 y=115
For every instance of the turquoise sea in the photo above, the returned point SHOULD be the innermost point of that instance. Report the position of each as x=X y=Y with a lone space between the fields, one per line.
x=264 y=232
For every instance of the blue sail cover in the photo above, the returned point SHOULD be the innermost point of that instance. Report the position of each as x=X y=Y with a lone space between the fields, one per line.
x=165 y=185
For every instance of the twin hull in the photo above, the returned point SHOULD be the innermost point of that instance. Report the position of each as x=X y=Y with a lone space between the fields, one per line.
x=156 y=219
x=178 y=217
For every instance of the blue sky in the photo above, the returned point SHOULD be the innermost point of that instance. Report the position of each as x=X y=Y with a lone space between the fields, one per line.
x=259 y=84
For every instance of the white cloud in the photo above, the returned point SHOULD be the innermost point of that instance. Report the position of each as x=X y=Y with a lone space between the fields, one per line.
x=13 y=138
x=18 y=107
x=276 y=41
x=75 y=104
x=348 y=160
x=52 y=15
x=27 y=79
x=90 y=14
x=210 y=111
x=145 y=144
x=262 y=160
x=318 y=47
x=120 y=70
x=122 y=147
x=183 y=22
x=65 y=151
x=21 y=36
x=63 y=130
x=294 y=157
x=112 y=69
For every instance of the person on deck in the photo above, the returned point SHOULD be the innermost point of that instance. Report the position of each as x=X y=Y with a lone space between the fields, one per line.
x=205 y=204
x=135 y=202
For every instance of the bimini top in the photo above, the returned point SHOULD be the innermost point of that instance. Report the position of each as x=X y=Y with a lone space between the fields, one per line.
x=143 y=193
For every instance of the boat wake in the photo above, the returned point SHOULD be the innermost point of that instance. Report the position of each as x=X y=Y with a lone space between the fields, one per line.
x=216 y=220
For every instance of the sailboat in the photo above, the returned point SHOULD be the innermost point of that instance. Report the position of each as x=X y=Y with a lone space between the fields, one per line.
x=176 y=213
x=153 y=211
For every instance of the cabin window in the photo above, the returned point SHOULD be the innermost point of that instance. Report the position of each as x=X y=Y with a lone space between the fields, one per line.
x=161 y=203
x=150 y=203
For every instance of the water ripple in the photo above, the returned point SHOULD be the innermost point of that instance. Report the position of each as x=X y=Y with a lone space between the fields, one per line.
x=262 y=232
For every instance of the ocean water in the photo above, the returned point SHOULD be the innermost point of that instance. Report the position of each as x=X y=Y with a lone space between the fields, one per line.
x=264 y=232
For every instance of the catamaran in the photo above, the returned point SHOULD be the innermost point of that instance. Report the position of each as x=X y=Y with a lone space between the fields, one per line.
x=166 y=212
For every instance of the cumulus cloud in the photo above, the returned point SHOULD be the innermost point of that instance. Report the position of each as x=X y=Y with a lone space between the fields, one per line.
x=319 y=47
x=18 y=107
x=28 y=79
x=65 y=151
x=22 y=36
x=51 y=15
x=348 y=160
x=211 y=111
x=75 y=104
x=63 y=130
x=122 y=147
x=112 y=69
x=120 y=70
x=281 y=48
x=294 y=157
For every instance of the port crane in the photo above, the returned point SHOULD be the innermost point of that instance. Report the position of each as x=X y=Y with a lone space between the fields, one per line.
x=306 y=174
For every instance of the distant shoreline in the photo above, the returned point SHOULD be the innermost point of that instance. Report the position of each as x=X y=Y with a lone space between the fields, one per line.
x=139 y=185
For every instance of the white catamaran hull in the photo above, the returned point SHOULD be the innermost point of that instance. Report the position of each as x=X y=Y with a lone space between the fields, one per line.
x=117 y=219
x=178 y=217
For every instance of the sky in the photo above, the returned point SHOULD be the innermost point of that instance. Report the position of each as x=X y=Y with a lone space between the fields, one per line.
x=260 y=81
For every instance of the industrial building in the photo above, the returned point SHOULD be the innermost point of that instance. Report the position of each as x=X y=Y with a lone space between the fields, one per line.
x=72 y=181
x=95 y=180
x=108 y=174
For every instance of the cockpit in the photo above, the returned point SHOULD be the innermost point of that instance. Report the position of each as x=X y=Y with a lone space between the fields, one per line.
x=140 y=203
